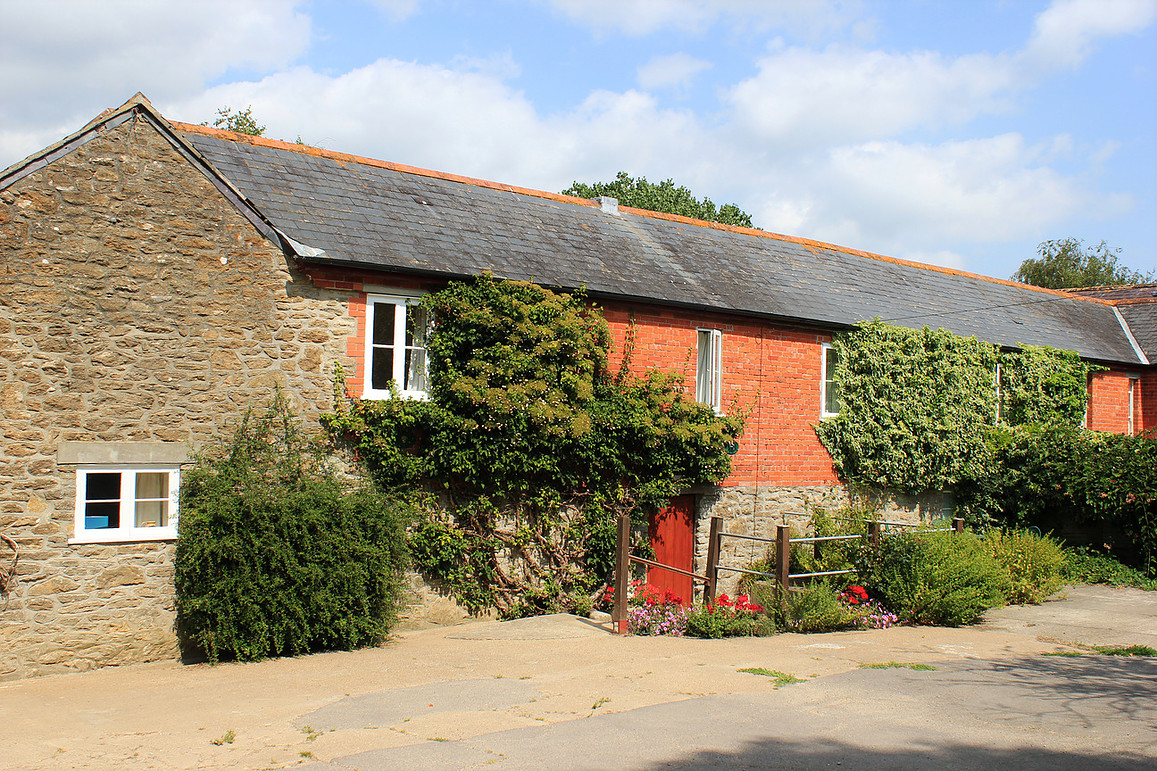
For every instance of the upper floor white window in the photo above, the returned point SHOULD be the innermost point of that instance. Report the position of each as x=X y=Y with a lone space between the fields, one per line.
x=395 y=348
x=829 y=394
x=118 y=504
x=1134 y=400
x=708 y=370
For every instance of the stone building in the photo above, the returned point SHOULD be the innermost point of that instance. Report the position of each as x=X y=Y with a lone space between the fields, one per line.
x=158 y=278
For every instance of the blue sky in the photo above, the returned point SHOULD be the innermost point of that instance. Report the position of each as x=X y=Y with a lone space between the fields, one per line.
x=961 y=133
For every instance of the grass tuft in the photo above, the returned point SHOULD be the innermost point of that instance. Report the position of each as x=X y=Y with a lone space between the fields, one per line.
x=781 y=678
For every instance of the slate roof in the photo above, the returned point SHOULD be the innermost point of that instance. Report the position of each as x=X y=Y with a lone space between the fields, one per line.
x=1115 y=293
x=382 y=216
x=1142 y=319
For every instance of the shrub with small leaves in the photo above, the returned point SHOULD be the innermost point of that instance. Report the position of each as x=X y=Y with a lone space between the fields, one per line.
x=816 y=607
x=729 y=617
x=277 y=554
x=935 y=578
x=1032 y=563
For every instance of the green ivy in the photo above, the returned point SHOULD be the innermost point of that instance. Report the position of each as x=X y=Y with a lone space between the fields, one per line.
x=917 y=404
x=1041 y=385
x=533 y=444
x=914 y=406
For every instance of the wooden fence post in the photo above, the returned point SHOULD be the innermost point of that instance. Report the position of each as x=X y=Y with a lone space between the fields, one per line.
x=712 y=559
x=874 y=534
x=622 y=574
x=957 y=525
x=783 y=561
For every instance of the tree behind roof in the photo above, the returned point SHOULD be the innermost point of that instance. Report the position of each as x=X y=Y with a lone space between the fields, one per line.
x=1067 y=262
x=241 y=121
x=662 y=197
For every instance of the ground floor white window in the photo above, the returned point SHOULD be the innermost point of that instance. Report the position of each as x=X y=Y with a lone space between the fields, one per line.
x=118 y=504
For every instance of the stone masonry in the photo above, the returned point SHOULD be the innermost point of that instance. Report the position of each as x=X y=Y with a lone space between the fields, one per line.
x=757 y=510
x=136 y=306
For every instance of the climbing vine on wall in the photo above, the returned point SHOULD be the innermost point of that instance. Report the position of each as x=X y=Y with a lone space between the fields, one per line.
x=914 y=405
x=533 y=444
x=917 y=404
x=1043 y=386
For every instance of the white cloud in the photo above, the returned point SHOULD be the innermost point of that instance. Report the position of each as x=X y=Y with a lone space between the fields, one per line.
x=674 y=71
x=812 y=144
x=944 y=258
x=1065 y=33
x=803 y=96
x=643 y=17
x=68 y=59
x=900 y=198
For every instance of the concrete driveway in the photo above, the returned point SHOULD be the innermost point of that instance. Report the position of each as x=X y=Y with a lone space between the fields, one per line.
x=561 y=692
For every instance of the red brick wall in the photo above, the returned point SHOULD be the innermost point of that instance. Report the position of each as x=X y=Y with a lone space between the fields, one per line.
x=1148 y=407
x=1109 y=401
x=772 y=371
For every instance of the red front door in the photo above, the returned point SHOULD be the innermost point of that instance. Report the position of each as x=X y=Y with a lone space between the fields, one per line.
x=673 y=539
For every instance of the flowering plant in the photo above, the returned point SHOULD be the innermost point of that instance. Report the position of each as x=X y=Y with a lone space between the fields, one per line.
x=865 y=612
x=643 y=594
x=726 y=617
x=653 y=612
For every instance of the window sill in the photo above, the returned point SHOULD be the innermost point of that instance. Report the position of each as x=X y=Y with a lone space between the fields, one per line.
x=381 y=396
x=139 y=535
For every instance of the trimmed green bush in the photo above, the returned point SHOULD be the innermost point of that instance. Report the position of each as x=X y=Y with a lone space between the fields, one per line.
x=935 y=578
x=1031 y=562
x=276 y=554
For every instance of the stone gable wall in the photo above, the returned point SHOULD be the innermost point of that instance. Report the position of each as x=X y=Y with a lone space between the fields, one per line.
x=136 y=305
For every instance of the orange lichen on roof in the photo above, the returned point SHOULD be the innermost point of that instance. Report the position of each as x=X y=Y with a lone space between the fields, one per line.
x=807 y=243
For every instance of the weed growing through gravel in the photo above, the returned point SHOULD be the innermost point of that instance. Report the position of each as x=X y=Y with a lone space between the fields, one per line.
x=227 y=738
x=899 y=665
x=781 y=678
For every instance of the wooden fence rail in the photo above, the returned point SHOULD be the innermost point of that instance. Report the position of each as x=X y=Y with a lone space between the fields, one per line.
x=782 y=576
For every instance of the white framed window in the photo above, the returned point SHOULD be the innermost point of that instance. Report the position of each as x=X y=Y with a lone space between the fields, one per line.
x=829 y=394
x=709 y=369
x=1134 y=398
x=996 y=378
x=395 y=347
x=115 y=504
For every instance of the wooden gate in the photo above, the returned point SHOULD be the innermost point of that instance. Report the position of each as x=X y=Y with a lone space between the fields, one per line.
x=672 y=532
